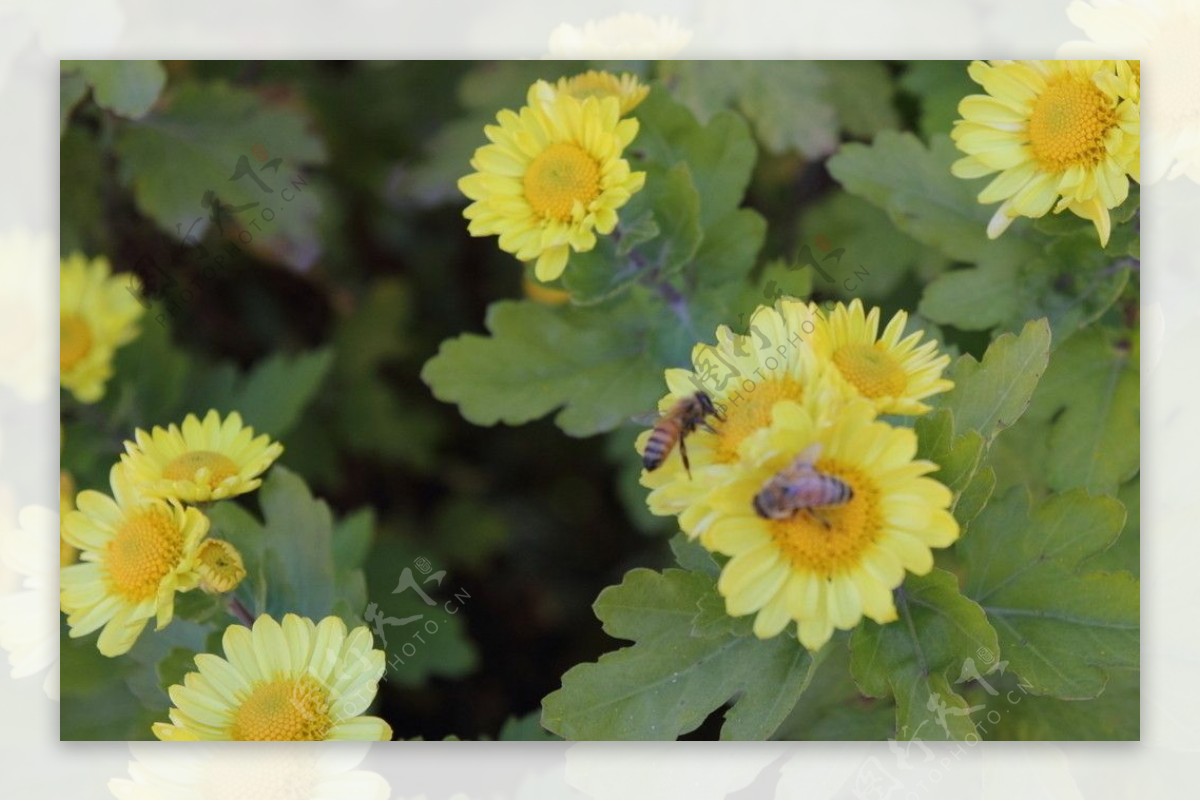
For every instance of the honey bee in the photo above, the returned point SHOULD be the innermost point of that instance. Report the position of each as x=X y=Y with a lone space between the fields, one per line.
x=801 y=487
x=674 y=426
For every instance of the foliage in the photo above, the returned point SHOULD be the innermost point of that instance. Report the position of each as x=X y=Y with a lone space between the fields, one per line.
x=436 y=415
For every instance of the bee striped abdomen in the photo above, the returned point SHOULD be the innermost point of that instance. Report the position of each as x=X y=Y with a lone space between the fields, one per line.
x=660 y=444
x=800 y=487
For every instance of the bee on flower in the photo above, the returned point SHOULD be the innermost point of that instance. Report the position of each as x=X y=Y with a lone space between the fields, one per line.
x=821 y=508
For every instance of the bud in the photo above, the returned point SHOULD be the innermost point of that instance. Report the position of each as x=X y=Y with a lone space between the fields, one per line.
x=541 y=293
x=220 y=566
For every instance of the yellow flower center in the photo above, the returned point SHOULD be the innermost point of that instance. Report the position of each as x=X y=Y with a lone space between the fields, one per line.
x=147 y=547
x=186 y=466
x=1069 y=122
x=830 y=539
x=284 y=709
x=75 y=340
x=562 y=175
x=871 y=369
x=747 y=412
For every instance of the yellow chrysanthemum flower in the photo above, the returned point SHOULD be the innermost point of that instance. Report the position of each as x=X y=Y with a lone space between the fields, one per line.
x=203 y=461
x=137 y=552
x=894 y=374
x=296 y=681
x=552 y=177
x=595 y=83
x=1062 y=134
x=67 y=554
x=745 y=375
x=98 y=313
x=827 y=570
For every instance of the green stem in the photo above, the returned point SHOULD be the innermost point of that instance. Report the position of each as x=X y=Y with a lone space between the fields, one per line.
x=675 y=300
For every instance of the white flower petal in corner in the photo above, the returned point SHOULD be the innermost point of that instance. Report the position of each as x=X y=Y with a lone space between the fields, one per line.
x=29 y=613
x=231 y=770
x=622 y=36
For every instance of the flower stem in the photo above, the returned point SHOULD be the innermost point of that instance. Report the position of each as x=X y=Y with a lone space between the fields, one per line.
x=238 y=610
x=675 y=300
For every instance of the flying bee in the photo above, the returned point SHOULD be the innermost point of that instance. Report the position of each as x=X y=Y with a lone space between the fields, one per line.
x=801 y=487
x=674 y=426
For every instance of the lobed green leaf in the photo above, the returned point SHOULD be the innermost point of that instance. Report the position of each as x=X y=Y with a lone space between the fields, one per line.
x=670 y=680
x=1061 y=629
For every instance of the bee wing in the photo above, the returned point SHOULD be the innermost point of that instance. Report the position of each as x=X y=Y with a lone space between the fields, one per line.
x=646 y=419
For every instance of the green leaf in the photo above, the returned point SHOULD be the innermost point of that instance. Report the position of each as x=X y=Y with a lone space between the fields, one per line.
x=590 y=362
x=670 y=681
x=939 y=87
x=833 y=708
x=861 y=94
x=352 y=539
x=991 y=395
x=1060 y=629
x=1089 y=397
x=917 y=657
x=599 y=274
x=957 y=457
x=719 y=156
x=126 y=88
x=974 y=298
x=212 y=138
x=786 y=101
x=271 y=396
x=730 y=248
x=1071 y=282
x=297 y=543
x=913 y=184
x=1125 y=553
x=291 y=563
x=673 y=205
x=875 y=255
x=691 y=555
x=527 y=728
x=1115 y=715
x=177 y=664
x=970 y=501
x=675 y=202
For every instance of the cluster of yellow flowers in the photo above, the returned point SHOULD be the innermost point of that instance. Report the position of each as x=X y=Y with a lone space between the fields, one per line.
x=553 y=174
x=141 y=545
x=124 y=556
x=1063 y=135
x=798 y=400
x=298 y=680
